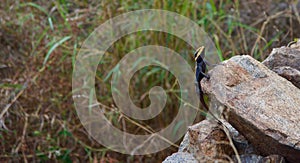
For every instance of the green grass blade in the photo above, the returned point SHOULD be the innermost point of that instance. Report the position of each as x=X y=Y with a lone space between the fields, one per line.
x=50 y=23
x=53 y=48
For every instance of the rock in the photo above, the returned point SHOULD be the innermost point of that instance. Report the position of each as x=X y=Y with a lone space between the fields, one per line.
x=180 y=157
x=206 y=141
x=248 y=158
x=240 y=142
x=289 y=73
x=262 y=106
x=285 y=61
x=199 y=134
x=272 y=159
x=185 y=143
x=253 y=158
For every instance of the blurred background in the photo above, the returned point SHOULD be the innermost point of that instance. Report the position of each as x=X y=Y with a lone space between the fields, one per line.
x=39 y=41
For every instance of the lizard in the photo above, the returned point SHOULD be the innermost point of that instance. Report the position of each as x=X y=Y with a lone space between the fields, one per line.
x=199 y=75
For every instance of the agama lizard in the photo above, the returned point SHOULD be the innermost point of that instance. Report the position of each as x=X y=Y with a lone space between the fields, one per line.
x=200 y=74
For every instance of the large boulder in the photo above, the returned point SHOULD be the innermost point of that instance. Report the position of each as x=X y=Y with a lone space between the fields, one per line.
x=261 y=105
x=285 y=61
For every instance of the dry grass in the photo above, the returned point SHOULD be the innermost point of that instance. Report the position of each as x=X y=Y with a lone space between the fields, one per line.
x=39 y=42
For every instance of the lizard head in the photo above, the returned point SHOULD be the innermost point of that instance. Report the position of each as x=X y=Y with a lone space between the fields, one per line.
x=199 y=54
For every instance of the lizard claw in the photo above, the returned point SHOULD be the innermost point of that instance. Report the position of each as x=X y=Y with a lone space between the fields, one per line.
x=207 y=77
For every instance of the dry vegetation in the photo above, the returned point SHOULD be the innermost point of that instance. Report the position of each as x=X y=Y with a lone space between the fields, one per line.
x=40 y=39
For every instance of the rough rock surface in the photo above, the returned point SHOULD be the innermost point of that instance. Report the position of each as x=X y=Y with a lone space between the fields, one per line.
x=240 y=142
x=180 y=157
x=253 y=158
x=262 y=106
x=285 y=61
x=273 y=159
x=207 y=141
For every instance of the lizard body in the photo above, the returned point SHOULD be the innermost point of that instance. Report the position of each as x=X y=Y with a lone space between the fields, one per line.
x=200 y=74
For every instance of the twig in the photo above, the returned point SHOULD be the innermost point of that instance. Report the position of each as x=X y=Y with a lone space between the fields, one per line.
x=263 y=28
x=231 y=143
x=224 y=34
x=23 y=137
x=13 y=101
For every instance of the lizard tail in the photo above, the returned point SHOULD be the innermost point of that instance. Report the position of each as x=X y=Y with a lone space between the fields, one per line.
x=201 y=98
x=203 y=103
x=206 y=107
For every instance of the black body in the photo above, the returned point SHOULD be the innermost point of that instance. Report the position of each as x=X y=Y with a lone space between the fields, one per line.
x=200 y=73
